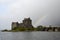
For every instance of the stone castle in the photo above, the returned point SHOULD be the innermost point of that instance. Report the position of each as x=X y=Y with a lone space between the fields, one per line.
x=27 y=23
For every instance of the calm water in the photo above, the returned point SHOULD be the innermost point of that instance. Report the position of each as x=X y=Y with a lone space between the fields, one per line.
x=29 y=35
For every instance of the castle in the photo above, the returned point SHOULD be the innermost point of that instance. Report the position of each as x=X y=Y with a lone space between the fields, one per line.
x=27 y=23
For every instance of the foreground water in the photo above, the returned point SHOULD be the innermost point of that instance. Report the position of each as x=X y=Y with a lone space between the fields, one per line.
x=29 y=35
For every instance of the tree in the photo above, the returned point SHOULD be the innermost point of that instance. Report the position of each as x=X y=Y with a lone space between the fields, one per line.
x=39 y=28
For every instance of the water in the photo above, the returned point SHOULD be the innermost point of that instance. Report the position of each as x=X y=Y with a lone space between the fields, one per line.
x=29 y=35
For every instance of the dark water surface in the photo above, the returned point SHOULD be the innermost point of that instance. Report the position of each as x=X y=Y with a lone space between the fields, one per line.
x=29 y=35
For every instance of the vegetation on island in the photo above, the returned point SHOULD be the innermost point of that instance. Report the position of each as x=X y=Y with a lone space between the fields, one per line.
x=38 y=28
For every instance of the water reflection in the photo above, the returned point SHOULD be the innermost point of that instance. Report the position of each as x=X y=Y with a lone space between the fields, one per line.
x=30 y=36
x=22 y=36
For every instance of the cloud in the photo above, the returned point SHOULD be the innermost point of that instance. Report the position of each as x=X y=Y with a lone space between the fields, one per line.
x=17 y=10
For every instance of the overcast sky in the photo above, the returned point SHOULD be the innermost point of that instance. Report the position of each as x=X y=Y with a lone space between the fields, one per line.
x=42 y=12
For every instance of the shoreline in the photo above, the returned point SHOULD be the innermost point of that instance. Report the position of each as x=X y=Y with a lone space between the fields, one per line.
x=30 y=31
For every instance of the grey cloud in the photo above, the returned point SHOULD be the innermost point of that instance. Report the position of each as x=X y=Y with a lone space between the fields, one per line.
x=42 y=12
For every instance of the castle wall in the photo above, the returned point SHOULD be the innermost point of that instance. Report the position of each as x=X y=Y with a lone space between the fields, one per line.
x=14 y=24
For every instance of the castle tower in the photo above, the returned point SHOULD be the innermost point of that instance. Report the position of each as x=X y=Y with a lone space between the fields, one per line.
x=14 y=24
x=27 y=23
